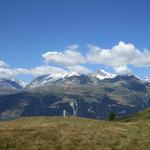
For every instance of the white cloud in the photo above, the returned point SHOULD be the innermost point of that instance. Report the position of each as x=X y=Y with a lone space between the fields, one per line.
x=66 y=58
x=94 y=48
x=40 y=70
x=70 y=59
x=6 y=73
x=122 y=70
x=12 y=73
x=3 y=64
x=18 y=71
x=46 y=69
x=79 y=69
x=72 y=47
x=119 y=56
x=142 y=59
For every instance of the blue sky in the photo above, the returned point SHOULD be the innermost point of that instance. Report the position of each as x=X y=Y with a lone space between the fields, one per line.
x=31 y=28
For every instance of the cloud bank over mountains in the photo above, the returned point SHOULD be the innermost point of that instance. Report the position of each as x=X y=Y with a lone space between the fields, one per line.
x=119 y=57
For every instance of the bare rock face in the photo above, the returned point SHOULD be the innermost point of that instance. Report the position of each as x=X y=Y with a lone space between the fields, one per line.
x=9 y=86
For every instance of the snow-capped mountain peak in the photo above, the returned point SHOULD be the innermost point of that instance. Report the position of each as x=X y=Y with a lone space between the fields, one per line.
x=76 y=78
x=67 y=75
x=102 y=74
x=9 y=84
x=22 y=83
x=147 y=79
x=44 y=79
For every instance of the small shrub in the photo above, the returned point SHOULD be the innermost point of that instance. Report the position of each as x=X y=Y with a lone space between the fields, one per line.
x=112 y=116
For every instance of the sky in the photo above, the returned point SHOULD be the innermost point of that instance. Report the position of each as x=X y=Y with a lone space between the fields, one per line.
x=58 y=36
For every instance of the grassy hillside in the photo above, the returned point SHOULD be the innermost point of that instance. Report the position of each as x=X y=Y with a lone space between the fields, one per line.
x=140 y=116
x=57 y=133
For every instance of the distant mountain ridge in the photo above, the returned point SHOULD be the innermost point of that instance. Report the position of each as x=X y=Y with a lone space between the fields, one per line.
x=8 y=86
x=147 y=79
x=72 y=77
x=92 y=95
x=9 y=83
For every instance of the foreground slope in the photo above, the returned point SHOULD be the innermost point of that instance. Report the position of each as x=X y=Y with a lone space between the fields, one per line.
x=70 y=133
x=142 y=116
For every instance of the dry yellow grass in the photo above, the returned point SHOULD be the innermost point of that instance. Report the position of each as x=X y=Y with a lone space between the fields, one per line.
x=57 y=133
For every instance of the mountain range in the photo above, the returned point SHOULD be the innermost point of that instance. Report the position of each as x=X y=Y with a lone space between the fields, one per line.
x=147 y=79
x=93 y=95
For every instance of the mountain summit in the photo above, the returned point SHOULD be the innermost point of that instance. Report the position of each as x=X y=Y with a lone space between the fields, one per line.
x=102 y=74
x=8 y=86
x=70 y=78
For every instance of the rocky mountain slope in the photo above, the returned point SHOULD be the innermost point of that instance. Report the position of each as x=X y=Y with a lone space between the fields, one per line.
x=147 y=79
x=69 y=78
x=9 y=86
x=84 y=95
